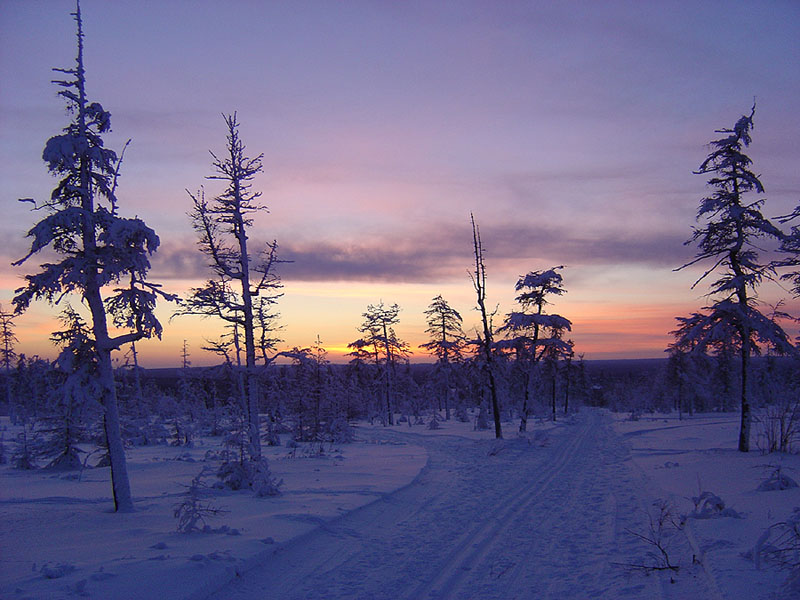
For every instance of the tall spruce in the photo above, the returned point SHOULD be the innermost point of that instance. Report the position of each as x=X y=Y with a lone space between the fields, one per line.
x=98 y=247
x=732 y=231
x=447 y=338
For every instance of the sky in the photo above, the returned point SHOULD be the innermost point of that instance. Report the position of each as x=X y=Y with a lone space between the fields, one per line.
x=570 y=130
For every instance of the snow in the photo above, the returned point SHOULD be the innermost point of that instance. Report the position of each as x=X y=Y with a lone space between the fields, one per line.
x=679 y=460
x=52 y=519
x=408 y=512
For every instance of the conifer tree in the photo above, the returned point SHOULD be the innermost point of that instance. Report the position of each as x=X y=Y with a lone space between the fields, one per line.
x=387 y=348
x=99 y=248
x=732 y=230
x=75 y=398
x=531 y=334
x=447 y=342
x=7 y=354
x=790 y=248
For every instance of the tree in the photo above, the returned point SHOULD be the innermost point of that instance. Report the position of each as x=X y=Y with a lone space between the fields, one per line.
x=487 y=343
x=313 y=403
x=7 y=355
x=99 y=249
x=729 y=238
x=386 y=348
x=531 y=334
x=444 y=329
x=137 y=395
x=243 y=288
x=790 y=246
x=447 y=340
x=75 y=398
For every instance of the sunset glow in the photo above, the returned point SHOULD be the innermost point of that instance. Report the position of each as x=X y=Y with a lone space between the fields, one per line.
x=570 y=130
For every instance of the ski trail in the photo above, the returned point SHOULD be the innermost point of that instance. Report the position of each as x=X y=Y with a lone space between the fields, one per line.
x=483 y=520
x=476 y=545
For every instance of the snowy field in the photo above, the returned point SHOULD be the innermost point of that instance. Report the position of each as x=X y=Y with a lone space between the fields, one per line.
x=563 y=512
x=679 y=460
x=59 y=537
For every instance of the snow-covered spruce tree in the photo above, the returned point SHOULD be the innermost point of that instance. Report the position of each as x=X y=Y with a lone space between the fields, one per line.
x=790 y=247
x=359 y=385
x=531 y=334
x=729 y=238
x=7 y=355
x=447 y=341
x=74 y=401
x=34 y=379
x=243 y=287
x=486 y=344
x=136 y=401
x=386 y=348
x=556 y=350
x=99 y=248
x=569 y=371
x=22 y=457
x=318 y=416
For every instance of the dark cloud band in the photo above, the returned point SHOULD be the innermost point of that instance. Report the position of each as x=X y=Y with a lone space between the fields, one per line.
x=442 y=253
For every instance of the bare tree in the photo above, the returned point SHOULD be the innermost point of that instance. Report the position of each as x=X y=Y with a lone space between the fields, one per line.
x=99 y=247
x=243 y=288
x=487 y=343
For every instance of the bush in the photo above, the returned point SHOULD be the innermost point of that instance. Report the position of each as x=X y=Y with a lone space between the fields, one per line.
x=780 y=426
x=780 y=543
x=249 y=474
x=192 y=513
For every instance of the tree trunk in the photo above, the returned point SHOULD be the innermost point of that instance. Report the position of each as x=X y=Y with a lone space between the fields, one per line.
x=523 y=417
x=137 y=382
x=389 y=374
x=744 y=429
x=120 y=484
x=448 y=392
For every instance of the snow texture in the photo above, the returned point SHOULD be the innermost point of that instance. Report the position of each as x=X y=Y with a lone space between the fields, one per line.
x=416 y=513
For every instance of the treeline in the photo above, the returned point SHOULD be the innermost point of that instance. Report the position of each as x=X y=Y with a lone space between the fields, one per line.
x=307 y=400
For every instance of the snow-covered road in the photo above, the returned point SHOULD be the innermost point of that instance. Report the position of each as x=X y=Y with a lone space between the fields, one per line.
x=488 y=519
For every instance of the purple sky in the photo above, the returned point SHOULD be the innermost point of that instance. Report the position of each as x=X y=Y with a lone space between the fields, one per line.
x=570 y=129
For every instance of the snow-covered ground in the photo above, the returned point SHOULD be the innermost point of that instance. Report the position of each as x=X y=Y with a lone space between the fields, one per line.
x=679 y=460
x=413 y=513
x=57 y=524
